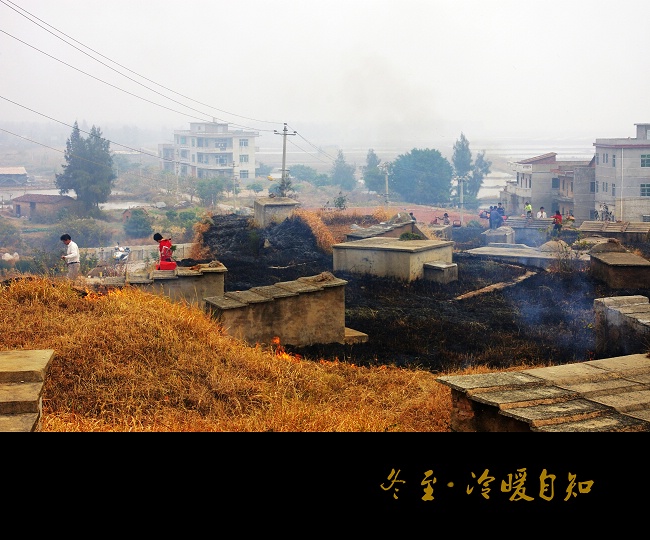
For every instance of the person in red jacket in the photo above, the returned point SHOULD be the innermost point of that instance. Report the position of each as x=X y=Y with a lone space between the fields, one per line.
x=165 y=251
x=557 y=223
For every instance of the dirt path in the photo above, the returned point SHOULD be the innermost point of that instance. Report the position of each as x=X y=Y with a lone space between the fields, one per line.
x=496 y=286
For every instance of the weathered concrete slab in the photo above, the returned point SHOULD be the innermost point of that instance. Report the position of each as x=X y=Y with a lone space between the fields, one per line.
x=527 y=397
x=606 y=422
x=615 y=258
x=16 y=398
x=247 y=297
x=539 y=415
x=324 y=280
x=625 y=401
x=24 y=365
x=223 y=303
x=297 y=286
x=271 y=291
x=626 y=365
x=612 y=394
x=570 y=373
x=486 y=382
x=24 y=422
x=354 y=336
x=599 y=388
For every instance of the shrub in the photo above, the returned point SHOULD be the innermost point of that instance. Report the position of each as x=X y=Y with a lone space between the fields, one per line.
x=410 y=236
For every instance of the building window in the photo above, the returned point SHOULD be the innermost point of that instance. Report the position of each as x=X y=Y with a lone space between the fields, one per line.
x=243 y=174
x=243 y=159
x=183 y=170
x=645 y=190
x=183 y=140
x=604 y=188
x=613 y=190
x=243 y=142
x=555 y=183
x=592 y=187
x=185 y=154
x=605 y=158
x=645 y=160
x=193 y=141
x=613 y=160
x=597 y=158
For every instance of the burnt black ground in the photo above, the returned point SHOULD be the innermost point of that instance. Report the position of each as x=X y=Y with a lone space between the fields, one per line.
x=545 y=319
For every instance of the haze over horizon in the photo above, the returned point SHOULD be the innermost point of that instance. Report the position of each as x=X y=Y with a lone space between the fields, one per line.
x=355 y=73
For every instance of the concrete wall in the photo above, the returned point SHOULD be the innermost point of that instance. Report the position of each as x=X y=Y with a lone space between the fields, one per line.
x=622 y=325
x=303 y=312
x=387 y=257
x=189 y=285
x=269 y=210
x=619 y=270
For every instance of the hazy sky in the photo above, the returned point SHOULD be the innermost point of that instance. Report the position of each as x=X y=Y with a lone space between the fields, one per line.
x=366 y=72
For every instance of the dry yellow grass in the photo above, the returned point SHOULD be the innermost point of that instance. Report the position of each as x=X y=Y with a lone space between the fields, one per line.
x=129 y=360
x=133 y=361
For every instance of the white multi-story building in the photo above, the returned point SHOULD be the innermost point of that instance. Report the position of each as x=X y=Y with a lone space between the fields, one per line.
x=622 y=178
x=209 y=150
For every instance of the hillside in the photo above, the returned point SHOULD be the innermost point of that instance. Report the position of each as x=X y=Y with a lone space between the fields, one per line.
x=544 y=319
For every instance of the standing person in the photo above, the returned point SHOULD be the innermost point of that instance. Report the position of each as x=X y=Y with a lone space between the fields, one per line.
x=496 y=219
x=557 y=223
x=501 y=210
x=542 y=213
x=528 y=208
x=71 y=257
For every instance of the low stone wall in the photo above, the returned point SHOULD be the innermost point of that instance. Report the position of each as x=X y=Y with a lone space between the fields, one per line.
x=620 y=269
x=268 y=210
x=184 y=284
x=622 y=325
x=303 y=312
x=390 y=257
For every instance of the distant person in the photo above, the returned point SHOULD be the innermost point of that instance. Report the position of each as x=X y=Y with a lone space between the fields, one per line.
x=496 y=219
x=501 y=209
x=557 y=223
x=445 y=218
x=71 y=257
x=542 y=213
x=412 y=216
x=528 y=209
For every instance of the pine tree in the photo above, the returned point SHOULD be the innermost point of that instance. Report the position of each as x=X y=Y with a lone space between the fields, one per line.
x=89 y=168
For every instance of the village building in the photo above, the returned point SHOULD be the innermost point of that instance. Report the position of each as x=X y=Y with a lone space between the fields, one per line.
x=41 y=208
x=210 y=150
x=616 y=180
x=13 y=176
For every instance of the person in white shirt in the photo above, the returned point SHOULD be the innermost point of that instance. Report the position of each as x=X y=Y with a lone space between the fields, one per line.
x=542 y=213
x=71 y=257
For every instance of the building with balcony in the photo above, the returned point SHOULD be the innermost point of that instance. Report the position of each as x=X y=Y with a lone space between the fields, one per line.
x=622 y=179
x=210 y=150
x=544 y=181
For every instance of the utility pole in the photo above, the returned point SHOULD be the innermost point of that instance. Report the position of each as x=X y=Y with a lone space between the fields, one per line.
x=234 y=186
x=460 y=185
x=283 y=181
x=385 y=167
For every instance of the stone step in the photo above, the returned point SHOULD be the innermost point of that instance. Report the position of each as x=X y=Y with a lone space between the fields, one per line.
x=18 y=398
x=22 y=375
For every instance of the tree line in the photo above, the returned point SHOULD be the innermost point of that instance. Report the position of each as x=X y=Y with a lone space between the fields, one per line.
x=421 y=176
